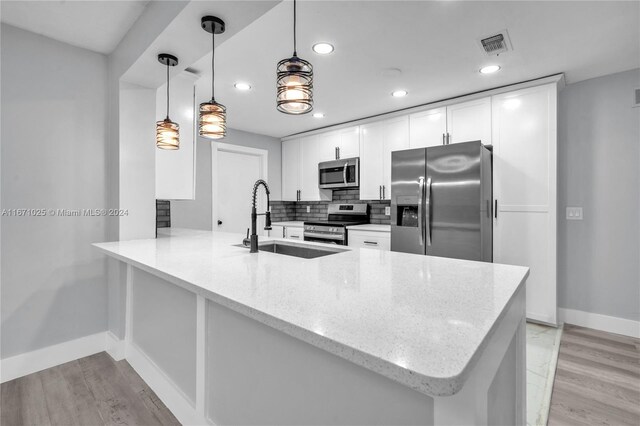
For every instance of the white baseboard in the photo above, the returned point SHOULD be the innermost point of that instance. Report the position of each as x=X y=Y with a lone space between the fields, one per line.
x=41 y=359
x=601 y=322
x=170 y=394
x=115 y=346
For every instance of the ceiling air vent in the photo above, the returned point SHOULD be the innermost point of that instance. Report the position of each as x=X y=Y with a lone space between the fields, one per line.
x=637 y=98
x=496 y=44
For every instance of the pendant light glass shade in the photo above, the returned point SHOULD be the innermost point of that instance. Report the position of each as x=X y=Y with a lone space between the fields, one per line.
x=294 y=93
x=295 y=86
x=167 y=132
x=212 y=122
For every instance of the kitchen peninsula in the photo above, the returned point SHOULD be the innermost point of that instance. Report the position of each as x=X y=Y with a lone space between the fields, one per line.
x=360 y=336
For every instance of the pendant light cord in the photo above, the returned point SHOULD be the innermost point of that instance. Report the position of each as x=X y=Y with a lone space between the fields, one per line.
x=295 y=53
x=213 y=56
x=167 y=89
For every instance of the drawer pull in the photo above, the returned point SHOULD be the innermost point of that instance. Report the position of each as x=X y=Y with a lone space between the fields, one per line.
x=373 y=243
x=294 y=236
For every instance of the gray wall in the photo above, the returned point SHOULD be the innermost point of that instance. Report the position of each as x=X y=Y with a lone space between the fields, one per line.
x=196 y=214
x=54 y=114
x=598 y=169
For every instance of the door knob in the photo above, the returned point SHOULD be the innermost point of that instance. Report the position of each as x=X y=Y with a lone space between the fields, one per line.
x=219 y=222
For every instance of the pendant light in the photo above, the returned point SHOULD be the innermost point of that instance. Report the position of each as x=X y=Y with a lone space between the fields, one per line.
x=167 y=132
x=212 y=123
x=294 y=81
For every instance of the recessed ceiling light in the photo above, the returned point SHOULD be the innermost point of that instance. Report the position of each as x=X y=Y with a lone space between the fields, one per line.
x=242 y=86
x=318 y=115
x=322 y=48
x=489 y=69
x=399 y=93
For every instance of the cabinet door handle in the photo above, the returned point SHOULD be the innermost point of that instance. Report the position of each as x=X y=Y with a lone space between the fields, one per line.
x=371 y=243
x=380 y=191
x=443 y=139
x=448 y=138
x=495 y=209
x=294 y=236
x=384 y=190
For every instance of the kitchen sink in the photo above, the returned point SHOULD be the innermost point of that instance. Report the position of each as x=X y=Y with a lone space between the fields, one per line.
x=305 y=251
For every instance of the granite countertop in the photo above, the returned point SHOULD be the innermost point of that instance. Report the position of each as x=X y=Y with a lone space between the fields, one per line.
x=290 y=223
x=371 y=227
x=419 y=320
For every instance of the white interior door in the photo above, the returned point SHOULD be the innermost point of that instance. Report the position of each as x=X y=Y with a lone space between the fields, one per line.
x=235 y=171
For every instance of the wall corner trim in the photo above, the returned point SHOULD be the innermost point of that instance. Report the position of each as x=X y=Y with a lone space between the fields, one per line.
x=41 y=359
x=600 y=322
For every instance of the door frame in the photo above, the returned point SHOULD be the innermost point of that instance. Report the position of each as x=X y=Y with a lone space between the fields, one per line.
x=216 y=148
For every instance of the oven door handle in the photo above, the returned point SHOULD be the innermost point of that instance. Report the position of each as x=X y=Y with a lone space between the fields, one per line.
x=324 y=236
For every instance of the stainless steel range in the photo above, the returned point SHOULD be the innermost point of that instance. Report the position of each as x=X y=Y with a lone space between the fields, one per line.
x=334 y=229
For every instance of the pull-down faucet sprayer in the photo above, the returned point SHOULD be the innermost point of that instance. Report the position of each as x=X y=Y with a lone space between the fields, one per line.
x=253 y=239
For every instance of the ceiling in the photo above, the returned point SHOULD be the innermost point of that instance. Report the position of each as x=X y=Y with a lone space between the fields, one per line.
x=434 y=44
x=93 y=25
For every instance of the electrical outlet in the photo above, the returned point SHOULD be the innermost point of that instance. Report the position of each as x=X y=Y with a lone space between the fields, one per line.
x=308 y=209
x=574 y=213
x=387 y=211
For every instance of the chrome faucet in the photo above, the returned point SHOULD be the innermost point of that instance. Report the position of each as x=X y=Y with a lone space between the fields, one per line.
x=253 y=239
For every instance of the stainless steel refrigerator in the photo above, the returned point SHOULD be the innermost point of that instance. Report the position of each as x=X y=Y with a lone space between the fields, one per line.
x=441 y=201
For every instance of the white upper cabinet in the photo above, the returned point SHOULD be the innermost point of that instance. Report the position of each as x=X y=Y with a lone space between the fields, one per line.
x=428 y=128
x=290 y=169
x=371 y=146
x=349 y=142
x=175 y=169
x=377 y=141
x=470 y=121
x=328 y=144
x=300 y=158
x=524 y=176
x=336 y=144
x=310 y=157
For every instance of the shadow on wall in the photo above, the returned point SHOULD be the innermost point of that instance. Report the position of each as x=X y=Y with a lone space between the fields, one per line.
x=49 y=314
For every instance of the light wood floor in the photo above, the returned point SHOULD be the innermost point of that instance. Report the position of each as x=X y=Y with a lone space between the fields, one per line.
x=90 y=391
x=597 y=379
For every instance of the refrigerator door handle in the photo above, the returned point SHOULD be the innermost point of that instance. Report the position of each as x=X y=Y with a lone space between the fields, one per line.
x=428 y=211
x=420 y=215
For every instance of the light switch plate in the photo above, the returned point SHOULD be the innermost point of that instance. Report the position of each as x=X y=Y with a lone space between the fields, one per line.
x=308 y=209
x=574 y=213
x=387 y=211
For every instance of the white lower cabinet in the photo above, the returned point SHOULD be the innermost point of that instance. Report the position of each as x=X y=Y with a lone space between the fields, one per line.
x=524 y=176
x=294 y=233
x=370 y=239
x=277 y=231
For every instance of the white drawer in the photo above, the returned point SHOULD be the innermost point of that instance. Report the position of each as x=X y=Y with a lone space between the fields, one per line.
x=370 y=239
x=294 y=233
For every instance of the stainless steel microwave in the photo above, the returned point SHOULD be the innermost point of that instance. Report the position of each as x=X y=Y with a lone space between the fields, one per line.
x=343 y=173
